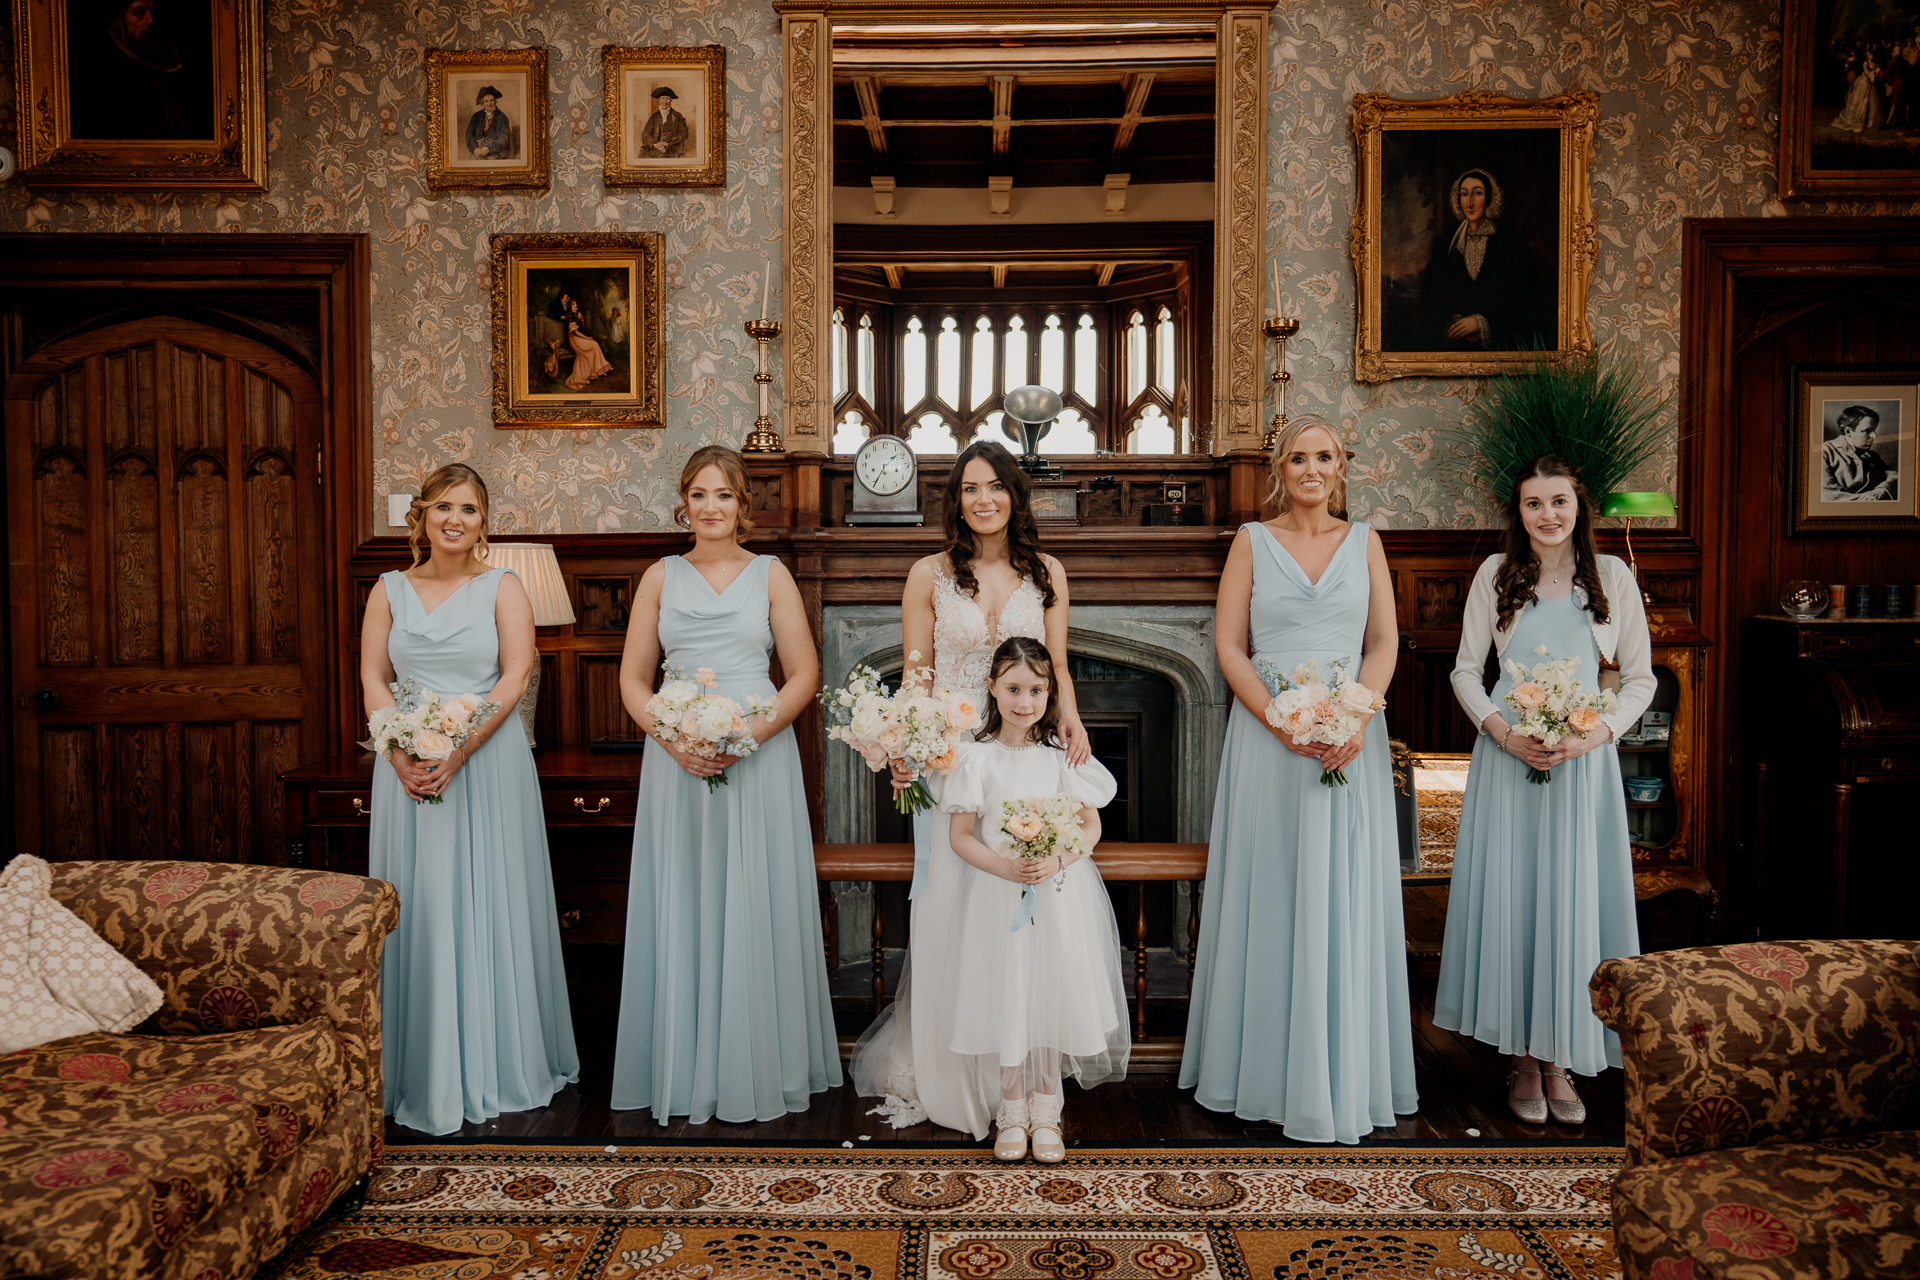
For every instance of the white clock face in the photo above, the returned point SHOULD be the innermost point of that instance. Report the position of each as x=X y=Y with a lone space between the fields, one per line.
x=885 y=465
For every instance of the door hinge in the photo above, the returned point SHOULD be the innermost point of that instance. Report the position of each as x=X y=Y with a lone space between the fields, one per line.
x=319 y=466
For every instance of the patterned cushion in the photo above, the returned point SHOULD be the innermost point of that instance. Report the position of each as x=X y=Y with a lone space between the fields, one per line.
x=1764 y=1042
x=59 y=978
x=121 y=1147
x=1845 y=1206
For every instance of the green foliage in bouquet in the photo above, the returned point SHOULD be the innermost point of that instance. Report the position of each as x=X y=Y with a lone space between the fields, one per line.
x=1592 y=411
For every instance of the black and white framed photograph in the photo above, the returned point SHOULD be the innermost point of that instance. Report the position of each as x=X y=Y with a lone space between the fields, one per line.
x=486 y=118
x=1854 y=449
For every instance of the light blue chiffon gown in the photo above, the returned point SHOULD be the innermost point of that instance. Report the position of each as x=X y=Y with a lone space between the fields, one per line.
x=473 y=992
x=1542 y=880
x=1299 y=1012
x=724 y=1007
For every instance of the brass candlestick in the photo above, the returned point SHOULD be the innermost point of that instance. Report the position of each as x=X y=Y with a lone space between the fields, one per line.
x=1279 y=329
x=763 y=438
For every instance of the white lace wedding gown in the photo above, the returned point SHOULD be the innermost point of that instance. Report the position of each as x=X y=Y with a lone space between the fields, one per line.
x=901 y=1058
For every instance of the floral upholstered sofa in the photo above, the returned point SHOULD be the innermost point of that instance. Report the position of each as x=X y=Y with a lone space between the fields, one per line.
x=1773 y=1098
x=198 y=1151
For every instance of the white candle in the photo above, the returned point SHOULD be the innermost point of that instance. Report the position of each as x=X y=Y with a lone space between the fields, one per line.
x=1278 y=310
x=766 y=285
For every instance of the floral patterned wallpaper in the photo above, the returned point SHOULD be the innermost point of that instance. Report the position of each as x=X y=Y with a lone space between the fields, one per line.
x=1689 y=101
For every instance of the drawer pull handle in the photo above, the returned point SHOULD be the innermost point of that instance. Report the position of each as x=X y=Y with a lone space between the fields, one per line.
x=570 y=919
x=1886 y=764
x=580 y=803
x=361 y=808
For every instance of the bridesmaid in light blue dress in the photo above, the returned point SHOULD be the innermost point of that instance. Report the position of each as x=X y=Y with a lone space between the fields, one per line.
x=473 y=992
x=1299 y=1013
x=1543 y=874
x=724 y=1007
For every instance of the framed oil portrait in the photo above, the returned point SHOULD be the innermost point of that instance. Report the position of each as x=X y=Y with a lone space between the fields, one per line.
x=1850 y=100
x=666 y=116
x=1853 y=449
x=1473 y=234
x=150 y=95
x=486 y=119
x=578 y=335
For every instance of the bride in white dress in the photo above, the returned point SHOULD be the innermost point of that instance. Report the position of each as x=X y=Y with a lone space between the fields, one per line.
x=992 y=582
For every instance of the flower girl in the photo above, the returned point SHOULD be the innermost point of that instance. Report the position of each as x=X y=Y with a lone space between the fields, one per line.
x=1038 y=992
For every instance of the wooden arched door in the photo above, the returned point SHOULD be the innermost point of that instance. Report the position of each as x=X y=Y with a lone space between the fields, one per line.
x=168 y=645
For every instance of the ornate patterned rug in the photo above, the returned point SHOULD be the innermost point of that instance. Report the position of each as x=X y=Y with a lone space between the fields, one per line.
x=790 y=1213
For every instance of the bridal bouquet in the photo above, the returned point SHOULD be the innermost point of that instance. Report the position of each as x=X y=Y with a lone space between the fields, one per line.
x=1310 y=709
x=426 y=725
x=707 y=724
x=1553 y=705
x=1038 y=828
x=921 y=729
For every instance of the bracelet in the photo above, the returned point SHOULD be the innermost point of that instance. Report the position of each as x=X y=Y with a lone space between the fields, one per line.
x=1505 y=736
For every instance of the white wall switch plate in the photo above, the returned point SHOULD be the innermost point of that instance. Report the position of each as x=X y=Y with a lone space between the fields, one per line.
x=398 y=505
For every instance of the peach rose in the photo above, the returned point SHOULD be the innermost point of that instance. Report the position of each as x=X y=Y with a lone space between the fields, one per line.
x=705 y=676
x=1529 y=695
x=963 y=713
x=892 y=737
x=430 y=744
x=458 y=710
x=1297 y=722
x=945 y=760
x=1024 y=828
x=1584 y=721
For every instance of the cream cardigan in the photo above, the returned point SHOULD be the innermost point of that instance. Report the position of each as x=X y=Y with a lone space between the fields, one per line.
x=1622 y=639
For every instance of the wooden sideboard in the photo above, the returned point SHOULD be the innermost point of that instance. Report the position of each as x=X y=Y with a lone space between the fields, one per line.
x=589 y=799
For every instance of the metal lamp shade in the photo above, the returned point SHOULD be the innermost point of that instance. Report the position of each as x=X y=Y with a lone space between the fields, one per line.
x=1644 y=505
x=539 y=572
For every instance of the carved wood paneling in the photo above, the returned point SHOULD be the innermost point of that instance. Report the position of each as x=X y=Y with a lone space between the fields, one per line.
x=139 y=795
x=1441 y=602
x=807 y=46
x=208 y=792
x=205 y=631
x=1240 y=208
x=60 y=491
x=603 y=605
x=271 y=519
x=69 y=790
x=133 y=536
x=601 y=712
x=276 y=749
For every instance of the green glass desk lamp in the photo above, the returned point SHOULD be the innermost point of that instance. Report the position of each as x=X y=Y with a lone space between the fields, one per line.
x=1628 y=505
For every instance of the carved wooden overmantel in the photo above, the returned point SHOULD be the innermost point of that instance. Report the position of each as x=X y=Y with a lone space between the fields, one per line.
x=1240 y=70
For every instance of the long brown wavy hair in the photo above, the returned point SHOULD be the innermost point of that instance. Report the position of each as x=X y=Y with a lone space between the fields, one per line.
x=1515 y=585
x=437 y=483
x=1027 y=652
x=1023 y=536
x=734 y=468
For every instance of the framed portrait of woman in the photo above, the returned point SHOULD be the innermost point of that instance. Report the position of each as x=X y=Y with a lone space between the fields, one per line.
x=486 y=119
x=1473 y=234
x=1850 y=100
x=578 y=337
x=150 y=95
x=666 y=116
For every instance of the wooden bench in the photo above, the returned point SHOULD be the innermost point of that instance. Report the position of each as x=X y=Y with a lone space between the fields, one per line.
x=1117 y=860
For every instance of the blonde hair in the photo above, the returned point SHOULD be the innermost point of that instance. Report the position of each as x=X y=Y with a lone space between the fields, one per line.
x=1277 y=496
x=447 y=477
x=734 y=468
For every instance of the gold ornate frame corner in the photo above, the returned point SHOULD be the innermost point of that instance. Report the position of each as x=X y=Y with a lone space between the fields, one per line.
x=646 y=406
x=1574 y=115
x=52 y=160
x=712 y=61
x=535 y=173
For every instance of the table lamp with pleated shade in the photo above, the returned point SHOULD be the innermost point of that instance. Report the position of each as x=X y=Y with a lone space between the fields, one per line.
x=539 y=572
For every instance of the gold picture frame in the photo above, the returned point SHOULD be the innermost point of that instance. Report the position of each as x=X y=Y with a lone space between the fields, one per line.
x=684 y=146
x=578 y=330
x=473 y=148
x=1836 y=141
x=174 y=100
x=1411 y=238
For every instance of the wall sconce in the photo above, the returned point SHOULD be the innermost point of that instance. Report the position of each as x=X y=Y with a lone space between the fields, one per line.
x=539 y=572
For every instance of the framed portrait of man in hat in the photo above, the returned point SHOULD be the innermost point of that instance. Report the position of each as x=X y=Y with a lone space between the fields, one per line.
x=486 y=118
x=1473 y=232
x=666 y=111
x=145 y=95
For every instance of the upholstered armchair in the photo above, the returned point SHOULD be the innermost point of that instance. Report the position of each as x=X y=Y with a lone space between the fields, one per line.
x=202 y=1148
x=1773 y=1093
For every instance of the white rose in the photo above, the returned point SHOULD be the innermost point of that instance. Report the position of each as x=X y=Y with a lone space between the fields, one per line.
x=866 y=724
x=431 y=744
x=1357 y=697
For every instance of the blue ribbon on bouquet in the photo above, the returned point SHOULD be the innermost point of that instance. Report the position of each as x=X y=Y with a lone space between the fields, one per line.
x=922 y=850
x=1023 y=914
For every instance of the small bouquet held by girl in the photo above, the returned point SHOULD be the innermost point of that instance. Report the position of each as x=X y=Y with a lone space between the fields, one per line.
x=426 y=725
x=1039 y=828
x=1553 y=705
x=922 y=729
x=1310 y=709
x=705 y=723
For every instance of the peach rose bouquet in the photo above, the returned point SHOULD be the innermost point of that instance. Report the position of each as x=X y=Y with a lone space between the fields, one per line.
x=1308 y=708
x=1038 y=828
x=1553 y=705
x=706 y=723
x=426 y=725
x=922 y=729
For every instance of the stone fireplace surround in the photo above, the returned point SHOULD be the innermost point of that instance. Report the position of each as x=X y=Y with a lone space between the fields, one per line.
x=1173 y=641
